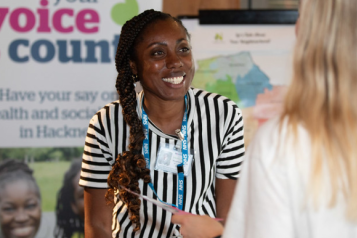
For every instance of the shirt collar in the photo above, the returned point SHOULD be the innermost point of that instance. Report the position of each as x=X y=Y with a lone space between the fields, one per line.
x=190 y=112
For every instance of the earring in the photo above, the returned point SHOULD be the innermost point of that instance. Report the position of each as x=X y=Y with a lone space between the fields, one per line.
x=135 y=79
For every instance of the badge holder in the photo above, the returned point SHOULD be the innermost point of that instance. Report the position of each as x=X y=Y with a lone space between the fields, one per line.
x=170 y=156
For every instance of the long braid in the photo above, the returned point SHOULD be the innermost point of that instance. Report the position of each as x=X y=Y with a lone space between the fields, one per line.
x=130 y=166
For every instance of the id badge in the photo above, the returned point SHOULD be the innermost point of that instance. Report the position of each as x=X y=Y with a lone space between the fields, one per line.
x=169 y=156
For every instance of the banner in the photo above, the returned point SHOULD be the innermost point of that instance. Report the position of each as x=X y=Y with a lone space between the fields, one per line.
x=57 y=66
x=56 y=70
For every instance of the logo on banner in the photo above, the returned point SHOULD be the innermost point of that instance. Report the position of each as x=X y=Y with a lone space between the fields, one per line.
x=218 y=38
x=65 y=21
x=121 y=12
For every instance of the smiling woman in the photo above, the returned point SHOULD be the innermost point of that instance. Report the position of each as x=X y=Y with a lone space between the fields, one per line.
x=202 y=131
x=20 y=202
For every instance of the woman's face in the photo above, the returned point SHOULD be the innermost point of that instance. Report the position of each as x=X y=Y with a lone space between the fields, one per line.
x=20 y=210
x=164 y=62
x=78 y=203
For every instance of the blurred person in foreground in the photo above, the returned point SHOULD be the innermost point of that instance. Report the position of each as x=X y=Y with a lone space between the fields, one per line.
x=299 y=178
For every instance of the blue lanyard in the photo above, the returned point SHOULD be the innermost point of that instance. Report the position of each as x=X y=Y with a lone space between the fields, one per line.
x=184 y=150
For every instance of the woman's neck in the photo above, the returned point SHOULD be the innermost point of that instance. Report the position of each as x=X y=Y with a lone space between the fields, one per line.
x=166 y=115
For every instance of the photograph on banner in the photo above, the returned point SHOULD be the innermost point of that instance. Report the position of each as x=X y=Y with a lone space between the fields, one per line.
x=250 y=64
x=56 y=174
x=57 y=70
x=20 y=200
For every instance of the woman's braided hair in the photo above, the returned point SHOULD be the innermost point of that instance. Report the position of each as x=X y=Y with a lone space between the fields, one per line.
x=130 y=166
x=67 y=221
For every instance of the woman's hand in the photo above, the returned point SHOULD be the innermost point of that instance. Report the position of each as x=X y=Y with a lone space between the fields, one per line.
x=196 y=226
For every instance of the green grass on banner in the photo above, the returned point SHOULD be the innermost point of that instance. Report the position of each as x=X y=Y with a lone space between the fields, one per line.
x=49 y=176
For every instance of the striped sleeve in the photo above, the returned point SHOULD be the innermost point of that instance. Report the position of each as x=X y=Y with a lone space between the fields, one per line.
x=232 y=154
x=97 y=157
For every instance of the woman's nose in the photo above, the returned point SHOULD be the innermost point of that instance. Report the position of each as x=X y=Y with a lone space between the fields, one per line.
x=21 y=215
x=173 y=61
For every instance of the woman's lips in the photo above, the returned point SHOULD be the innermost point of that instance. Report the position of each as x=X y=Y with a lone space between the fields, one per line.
x=174 y=80
x=23 y=231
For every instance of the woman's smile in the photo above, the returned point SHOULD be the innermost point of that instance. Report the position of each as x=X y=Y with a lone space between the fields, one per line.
x=175 y=80
x=23 y=231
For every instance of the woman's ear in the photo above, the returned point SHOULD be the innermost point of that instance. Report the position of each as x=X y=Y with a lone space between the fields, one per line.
x=133 y=67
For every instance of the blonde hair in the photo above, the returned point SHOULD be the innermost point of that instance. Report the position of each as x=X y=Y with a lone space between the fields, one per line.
x=323 y=94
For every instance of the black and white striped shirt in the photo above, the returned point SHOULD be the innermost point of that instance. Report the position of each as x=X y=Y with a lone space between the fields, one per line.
x=215 y=134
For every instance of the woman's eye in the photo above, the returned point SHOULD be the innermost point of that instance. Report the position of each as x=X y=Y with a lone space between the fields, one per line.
x=8 y=209
x=185 y=49
x=31 y=205
x=157 y=53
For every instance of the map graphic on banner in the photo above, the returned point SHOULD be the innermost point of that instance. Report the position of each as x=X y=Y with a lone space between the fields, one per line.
x=249 y=64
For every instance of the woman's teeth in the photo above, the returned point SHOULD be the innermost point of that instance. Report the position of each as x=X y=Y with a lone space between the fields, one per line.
x=174 y=80
x=23 y=231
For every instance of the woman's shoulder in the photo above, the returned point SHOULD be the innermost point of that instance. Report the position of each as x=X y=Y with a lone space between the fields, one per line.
x=110 y=105
x=212 y=98
x=270 y=127
x=200 y=93
x=267 y=134
x=276 y=137
x=105 y=111
x=279 y=127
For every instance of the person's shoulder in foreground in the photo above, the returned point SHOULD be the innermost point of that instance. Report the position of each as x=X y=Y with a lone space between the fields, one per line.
x=271 y=199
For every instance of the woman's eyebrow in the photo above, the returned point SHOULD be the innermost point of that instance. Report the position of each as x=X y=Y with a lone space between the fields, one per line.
x=181 y=39
x=156 y=43
x=164 y=43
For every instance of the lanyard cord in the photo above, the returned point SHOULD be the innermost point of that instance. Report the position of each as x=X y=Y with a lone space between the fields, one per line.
x=184 y=149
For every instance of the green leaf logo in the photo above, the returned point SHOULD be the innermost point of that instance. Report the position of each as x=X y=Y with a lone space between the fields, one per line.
x=121 y=12
x=218 y=37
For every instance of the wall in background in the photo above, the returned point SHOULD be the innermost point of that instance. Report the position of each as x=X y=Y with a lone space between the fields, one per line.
x=191 y=7
x=269 y=4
